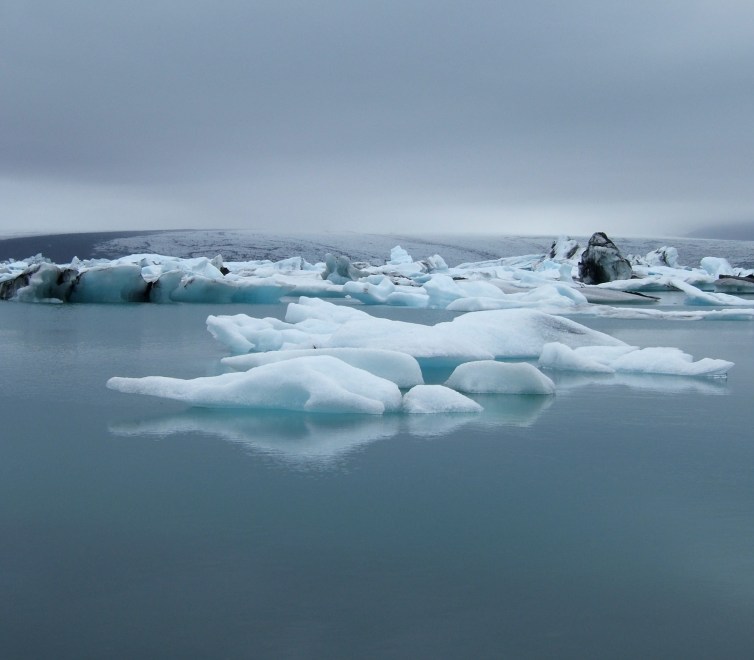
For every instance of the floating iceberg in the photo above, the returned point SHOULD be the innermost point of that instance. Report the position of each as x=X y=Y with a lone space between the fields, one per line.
x=437 y=399
x=630 y=359
x=490 y=377
x=313 y=323
x=695 y=296
x=312 y=384
x=400 y=368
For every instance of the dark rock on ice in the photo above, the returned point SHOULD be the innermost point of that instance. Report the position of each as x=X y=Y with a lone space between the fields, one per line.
x=602 y=261
x=735 y=284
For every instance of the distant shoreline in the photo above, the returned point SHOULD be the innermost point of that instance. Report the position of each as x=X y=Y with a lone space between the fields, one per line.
x=62 y=248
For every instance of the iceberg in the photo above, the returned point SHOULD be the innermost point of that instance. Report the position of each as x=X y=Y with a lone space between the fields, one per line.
x=433 y=399
x=490 y=377
x=696 y=296
x=400 y=368
x=313 y=323
x=602 y=261
x=630 y=359
x=311 y=384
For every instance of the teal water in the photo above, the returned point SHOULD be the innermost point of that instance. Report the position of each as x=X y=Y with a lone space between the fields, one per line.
x=614 y=520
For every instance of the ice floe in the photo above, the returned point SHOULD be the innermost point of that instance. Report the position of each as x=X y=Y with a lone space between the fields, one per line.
x=630 y=359
x=312 y=384
x=314 y=323
x=437 y=399
x=325 y=357
x=490 y=377
x=401 y=368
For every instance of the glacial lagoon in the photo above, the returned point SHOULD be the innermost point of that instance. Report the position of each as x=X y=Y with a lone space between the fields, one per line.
x=615 y=519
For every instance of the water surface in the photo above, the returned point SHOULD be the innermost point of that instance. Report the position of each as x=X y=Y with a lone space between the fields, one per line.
x=615 y=519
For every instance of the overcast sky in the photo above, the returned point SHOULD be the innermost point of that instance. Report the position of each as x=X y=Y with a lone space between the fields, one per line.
x=531 y=116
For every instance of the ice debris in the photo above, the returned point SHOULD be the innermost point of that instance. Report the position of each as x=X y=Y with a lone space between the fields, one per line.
x=548 y=282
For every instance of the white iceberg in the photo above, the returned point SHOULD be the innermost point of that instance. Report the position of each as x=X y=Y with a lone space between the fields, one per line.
x=437 y=399
x=485 y=335
x=400 y=368
x=630 y=359
x=490 y=377
x=695 y=296
x=311 y=384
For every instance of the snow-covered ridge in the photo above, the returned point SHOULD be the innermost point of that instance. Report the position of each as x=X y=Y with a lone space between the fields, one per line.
x=555 y=280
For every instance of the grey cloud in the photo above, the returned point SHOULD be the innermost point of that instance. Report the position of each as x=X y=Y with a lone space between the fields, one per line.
x=234 y=104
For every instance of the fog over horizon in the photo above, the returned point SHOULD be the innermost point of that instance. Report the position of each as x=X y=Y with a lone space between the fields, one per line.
x=535 y=118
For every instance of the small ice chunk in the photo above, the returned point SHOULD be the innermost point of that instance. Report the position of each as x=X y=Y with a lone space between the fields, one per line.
x=716 y=266
x=369 y=292
x=490 y=377
x=435 y=263
x=696 y=296
x=437 y=399
x=442 y=290
x=399 y=256
x=563 y=248
x=663 y=256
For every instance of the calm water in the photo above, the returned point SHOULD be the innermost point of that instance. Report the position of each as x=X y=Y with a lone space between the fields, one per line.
x=615 y=520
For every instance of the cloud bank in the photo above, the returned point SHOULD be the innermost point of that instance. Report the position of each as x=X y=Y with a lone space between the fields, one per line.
x=519 y=117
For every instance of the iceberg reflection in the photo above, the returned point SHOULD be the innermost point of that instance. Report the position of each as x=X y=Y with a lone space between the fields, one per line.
x=321 y=440
x=297 y=438
x=566 y=380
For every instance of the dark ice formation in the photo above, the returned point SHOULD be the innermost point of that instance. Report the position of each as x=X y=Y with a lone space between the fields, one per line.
x=125 y=282
x=50 y=282
x=662 y=256
x=602 y=261
x=735 y=284
x=563 y=249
